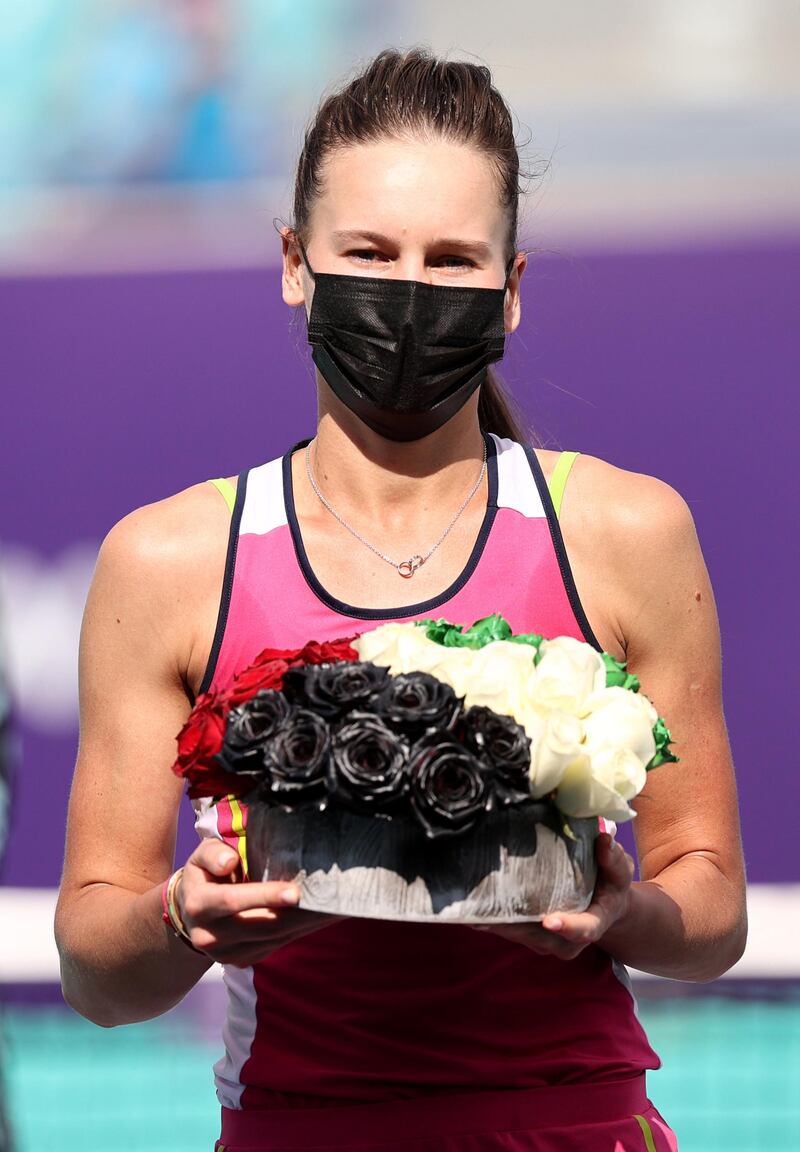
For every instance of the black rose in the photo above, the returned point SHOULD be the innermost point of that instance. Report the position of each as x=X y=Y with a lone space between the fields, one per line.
x=367 y=765
x=418 y=703
x=504 y=743
x=331 y=690
x=296 y=759
x=249 y=727
x=449 y=785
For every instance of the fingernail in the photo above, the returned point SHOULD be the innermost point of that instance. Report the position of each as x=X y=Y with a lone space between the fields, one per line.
x=553 y=923
x=227 y=856
x=290 y=896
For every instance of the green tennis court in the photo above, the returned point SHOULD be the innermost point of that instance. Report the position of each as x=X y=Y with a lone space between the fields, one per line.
x=729 y=1082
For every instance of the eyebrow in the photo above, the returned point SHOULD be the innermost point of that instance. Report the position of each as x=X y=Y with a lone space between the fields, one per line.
x=451 y=244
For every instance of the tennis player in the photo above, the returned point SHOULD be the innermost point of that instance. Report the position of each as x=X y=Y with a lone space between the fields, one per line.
x=418 y=495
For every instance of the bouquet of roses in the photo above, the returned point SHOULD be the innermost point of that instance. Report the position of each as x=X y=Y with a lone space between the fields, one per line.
x=414 y=771
x=429 y=721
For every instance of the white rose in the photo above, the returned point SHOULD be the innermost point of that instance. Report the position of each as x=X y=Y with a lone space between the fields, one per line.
x=555 y=744
x=398 y=647
x=568 y=671
x=619 y=718
x=452 y=666
x=498 y=676
x=601 y=784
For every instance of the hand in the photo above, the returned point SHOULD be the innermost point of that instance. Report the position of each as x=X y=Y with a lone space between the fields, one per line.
x=566 y=934
x=239 y=922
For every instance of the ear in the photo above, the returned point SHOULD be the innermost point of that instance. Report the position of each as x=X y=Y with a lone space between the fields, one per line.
x=293 y=276
x=513 y=307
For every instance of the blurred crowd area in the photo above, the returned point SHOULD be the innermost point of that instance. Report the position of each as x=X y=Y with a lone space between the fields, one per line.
x=129 y=127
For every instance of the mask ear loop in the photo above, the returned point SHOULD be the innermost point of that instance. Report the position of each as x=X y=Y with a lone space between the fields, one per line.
x=510 y=266
x=278 y=225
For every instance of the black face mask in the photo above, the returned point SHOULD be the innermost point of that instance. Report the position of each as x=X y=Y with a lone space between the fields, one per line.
x=402 y=355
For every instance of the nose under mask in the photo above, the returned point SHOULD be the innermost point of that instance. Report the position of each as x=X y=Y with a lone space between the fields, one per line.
x=402 y=355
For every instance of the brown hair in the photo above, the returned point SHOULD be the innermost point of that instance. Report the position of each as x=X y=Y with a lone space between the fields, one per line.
x=414 y=92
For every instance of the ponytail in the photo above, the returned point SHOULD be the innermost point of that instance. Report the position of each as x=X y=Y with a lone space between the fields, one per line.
x=498 y=412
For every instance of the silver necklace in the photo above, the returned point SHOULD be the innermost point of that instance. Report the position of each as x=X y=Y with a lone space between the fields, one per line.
x=406 y=568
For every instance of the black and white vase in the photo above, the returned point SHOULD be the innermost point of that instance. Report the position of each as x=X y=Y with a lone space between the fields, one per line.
x=514 y=865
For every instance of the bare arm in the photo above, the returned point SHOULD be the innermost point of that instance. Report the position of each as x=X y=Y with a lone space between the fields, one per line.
x=146 y=618
x=686 y=918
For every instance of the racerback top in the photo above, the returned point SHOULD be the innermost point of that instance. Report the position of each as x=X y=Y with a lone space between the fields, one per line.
x=367 y=1010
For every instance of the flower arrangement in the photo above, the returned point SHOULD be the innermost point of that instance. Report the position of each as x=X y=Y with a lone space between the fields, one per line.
x=429 y=722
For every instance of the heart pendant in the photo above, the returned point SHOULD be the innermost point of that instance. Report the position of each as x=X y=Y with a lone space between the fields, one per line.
x=409 y=567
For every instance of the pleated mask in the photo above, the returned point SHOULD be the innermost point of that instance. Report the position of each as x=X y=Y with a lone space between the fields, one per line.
x=402 y=355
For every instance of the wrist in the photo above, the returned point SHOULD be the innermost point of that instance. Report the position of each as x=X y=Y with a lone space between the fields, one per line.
x=170 y=910
x=618 y=933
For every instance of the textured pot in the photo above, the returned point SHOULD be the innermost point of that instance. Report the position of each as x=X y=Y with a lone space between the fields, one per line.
x=511 y=867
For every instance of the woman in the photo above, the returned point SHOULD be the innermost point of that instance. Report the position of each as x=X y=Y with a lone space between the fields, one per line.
x=413 y=497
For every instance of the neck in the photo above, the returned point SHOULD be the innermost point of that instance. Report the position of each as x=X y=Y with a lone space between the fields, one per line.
x=388 y=483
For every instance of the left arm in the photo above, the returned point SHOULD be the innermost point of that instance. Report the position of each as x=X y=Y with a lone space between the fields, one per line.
x=686 y=918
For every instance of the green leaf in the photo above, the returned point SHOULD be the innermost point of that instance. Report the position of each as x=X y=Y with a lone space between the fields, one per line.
x=663 y=739
x=489 y=628
x=438 y=630
x=478 y=635
x=617 y=675
x=531 y=638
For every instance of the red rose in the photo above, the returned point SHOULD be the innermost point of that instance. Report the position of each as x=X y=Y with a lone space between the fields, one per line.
x=215 y=782
x=254 y=679
x=329 y=651
x=290 y=655
x=199 y=741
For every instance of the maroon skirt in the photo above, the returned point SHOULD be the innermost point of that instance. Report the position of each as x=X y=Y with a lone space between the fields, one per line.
x=615 y=1117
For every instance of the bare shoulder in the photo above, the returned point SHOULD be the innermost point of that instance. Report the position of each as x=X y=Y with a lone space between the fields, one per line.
x=170 y=537
x=157 y=583
x=634 y=553
x=618 y=510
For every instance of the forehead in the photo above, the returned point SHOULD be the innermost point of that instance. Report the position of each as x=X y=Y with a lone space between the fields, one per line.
x=411 y=188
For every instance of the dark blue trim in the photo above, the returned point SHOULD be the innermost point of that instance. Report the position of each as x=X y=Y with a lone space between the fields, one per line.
x=560 y=550
x=407 y=609
x=227 y=583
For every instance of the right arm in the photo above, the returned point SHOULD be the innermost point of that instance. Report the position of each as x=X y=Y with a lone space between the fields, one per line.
x=146 y=618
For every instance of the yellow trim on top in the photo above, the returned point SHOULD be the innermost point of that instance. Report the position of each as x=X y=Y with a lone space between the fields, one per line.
x=558 y=478
x=237 y=827
x=647 y=1132
x=226 y=491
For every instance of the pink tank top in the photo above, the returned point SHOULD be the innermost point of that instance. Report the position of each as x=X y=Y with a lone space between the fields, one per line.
x=368 y=1010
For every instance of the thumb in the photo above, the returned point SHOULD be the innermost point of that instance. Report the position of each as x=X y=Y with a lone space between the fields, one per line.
x=226 y=861
x=216 y=858
x=613 y=858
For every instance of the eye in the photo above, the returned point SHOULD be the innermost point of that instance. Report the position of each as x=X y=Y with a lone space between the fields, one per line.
x=454 y=262
x=366 y=255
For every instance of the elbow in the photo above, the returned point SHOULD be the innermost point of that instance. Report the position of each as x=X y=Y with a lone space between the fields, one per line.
x=726 y=950
x=82 y=989
x=736 y=943
x=88 y=1012
x=78 y=995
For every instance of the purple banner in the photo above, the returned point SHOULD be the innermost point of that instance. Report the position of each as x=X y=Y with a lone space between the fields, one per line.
x=121 y=390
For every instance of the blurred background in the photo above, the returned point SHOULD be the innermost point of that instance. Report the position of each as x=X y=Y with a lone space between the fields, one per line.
x=145 y=148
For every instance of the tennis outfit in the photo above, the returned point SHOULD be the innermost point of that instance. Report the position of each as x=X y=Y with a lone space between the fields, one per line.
x=381 y=1035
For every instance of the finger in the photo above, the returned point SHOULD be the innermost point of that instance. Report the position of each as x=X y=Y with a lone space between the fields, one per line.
x=214 y=857
x=291 y=917
x=256 y=932
x=575 y=927
x=208 y=902
x=531 y=935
